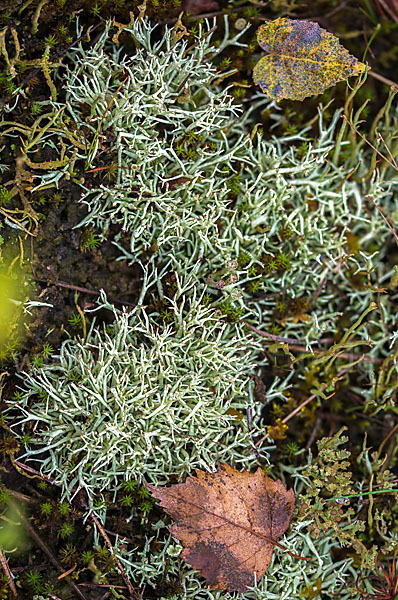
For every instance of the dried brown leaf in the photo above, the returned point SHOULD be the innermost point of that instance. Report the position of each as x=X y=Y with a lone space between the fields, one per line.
x=228 y=523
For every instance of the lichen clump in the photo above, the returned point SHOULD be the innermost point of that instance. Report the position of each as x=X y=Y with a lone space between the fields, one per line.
x=233 y=229
x=135 y=400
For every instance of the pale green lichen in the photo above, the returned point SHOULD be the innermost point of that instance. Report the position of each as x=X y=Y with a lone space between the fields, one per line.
x=259 y=223
x=194 y=184
x=142 y=399
x=287 y=578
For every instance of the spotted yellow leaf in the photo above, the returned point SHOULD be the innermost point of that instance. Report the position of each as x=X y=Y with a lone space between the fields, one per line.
x=303 y=59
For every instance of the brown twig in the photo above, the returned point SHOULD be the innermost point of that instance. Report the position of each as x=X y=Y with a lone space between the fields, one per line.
x=19 y=465
x=383 y=443
x=47 y=551
x=307 y=401
x=336 y=9
x=84 y=290
x=249 y=427
x=117 y=561
x=382 y=78
x=318 y=290
x=8 y=574
x=347 y=355
x=315 y=395
x=103 y=585
x=388 y=150
x=283 y=340
x=388 y=10
x=381 y=210
x=313 y=433
x=22 y=497
x=370 y=144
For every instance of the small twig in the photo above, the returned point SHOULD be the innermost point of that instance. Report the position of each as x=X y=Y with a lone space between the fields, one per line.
x=313 y=433
x=8 y=574
x=389 y=490
x=388 y=150
x=370 y=144
x=315 y=395
x=383 y=443
x=21 y=497
x=47 y=551
x=336 y=10
x=283 y=340
x=18 y=465
x=249 y=427
x=117 y=561
x=307 y=401
x=382 y=78
x=347 y=355
x=380 y=210
x=318 y=290
x=103 y=585
x=388 y=10
x=68 y=572
x=84 y=290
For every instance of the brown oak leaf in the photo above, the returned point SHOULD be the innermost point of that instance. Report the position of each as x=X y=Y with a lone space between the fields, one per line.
x=228 y=523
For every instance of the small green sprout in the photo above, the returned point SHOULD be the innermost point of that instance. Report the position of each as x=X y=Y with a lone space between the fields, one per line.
x=26 y=439
x=130 y=485
x=48 y=350
x=146 y=506
x=87 y=557
x=291 y=449
x=4 y=495
x=46 y=508
x=36 y=108
x=50 y=40
x=225 y=63
x=75 y=320
x=96 y=9
x=64 y=508
x=127 y=500
x=144 y=493
x=65 y=530
x=34 y=580
x=37 y=361
x=89 y=241
x=69 y=555
x=102 y=553
x=4 y=196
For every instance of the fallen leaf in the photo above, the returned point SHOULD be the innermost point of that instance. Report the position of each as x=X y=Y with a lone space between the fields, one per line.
x=303 y=60
x=228 y=523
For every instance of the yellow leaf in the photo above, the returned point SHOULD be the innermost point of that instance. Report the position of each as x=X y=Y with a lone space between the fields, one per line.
x=303 y=60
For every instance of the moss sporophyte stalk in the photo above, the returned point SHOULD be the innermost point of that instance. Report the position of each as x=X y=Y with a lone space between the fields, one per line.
x=231 y=229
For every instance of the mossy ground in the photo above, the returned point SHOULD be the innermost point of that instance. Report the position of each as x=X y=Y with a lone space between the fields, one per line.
x=65 y=264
